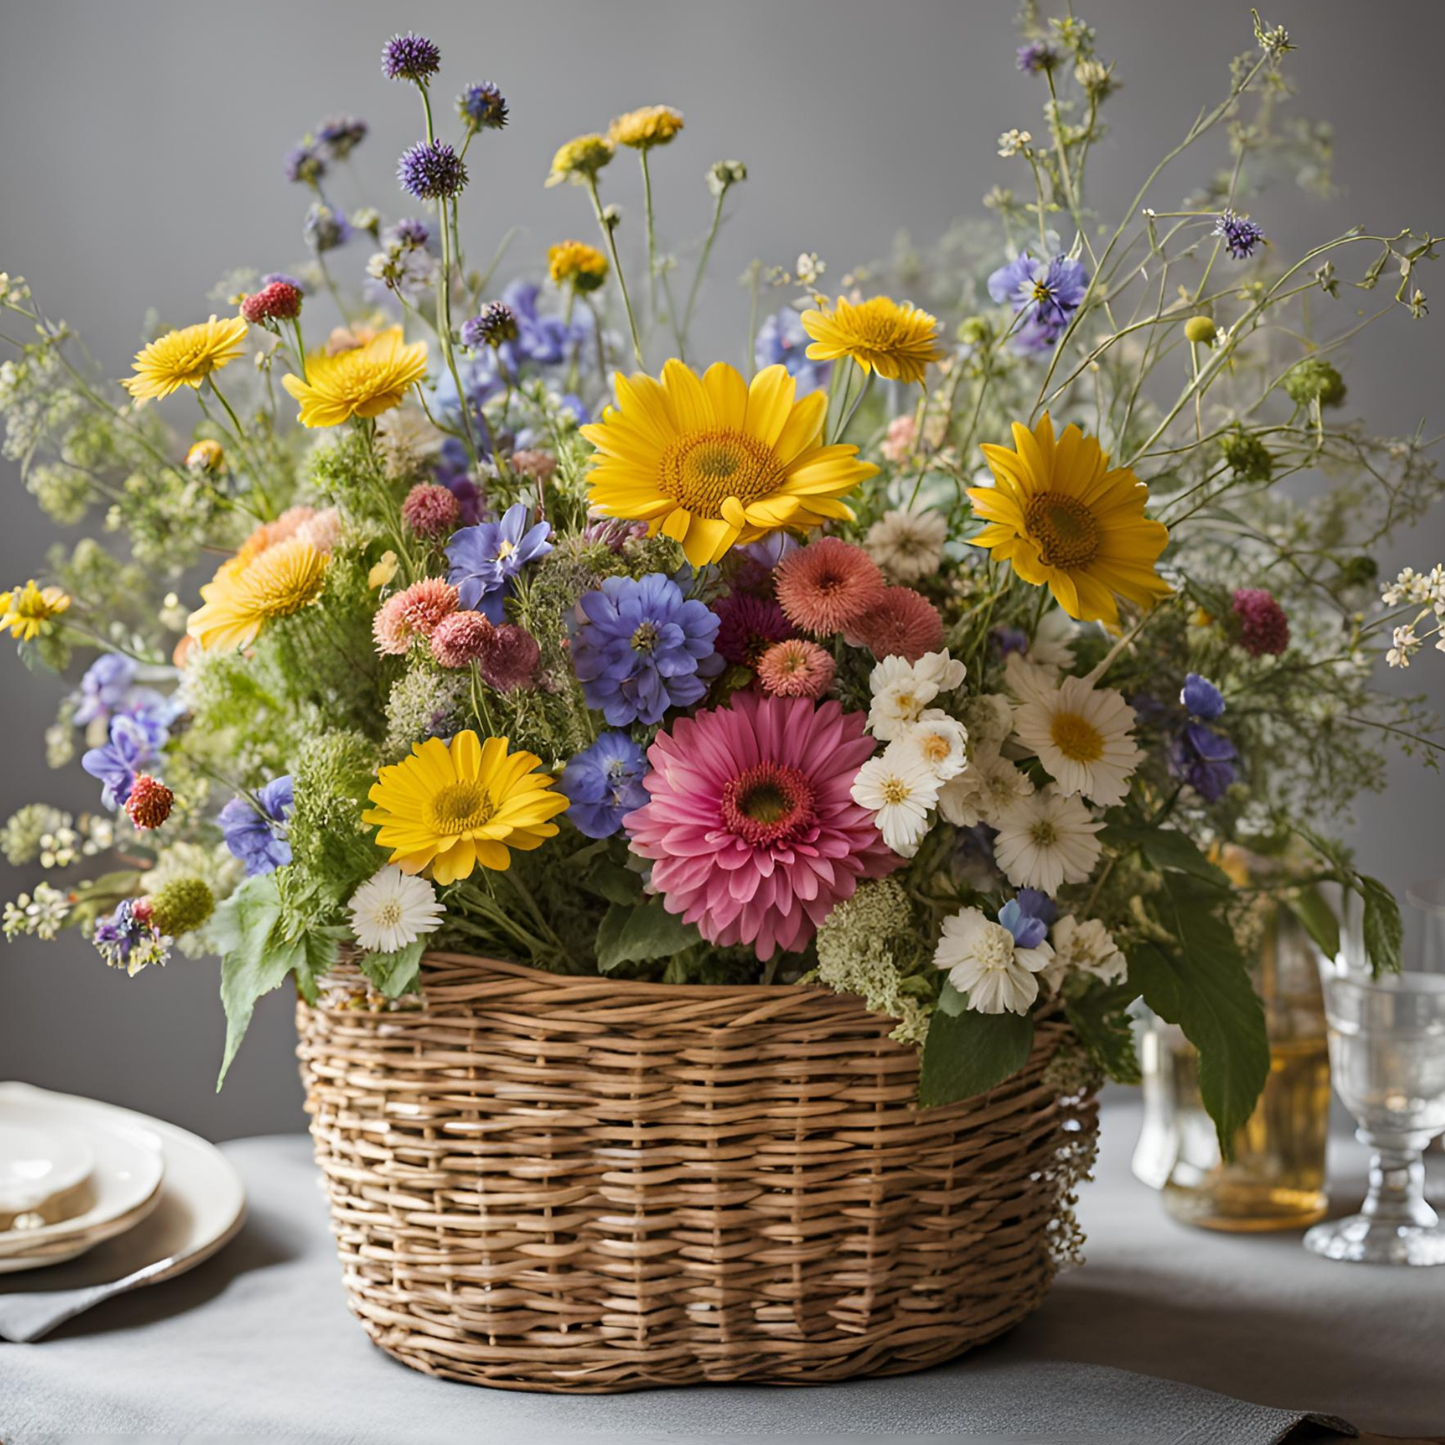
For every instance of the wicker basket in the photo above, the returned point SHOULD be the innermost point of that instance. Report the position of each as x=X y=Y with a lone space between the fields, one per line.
x=542 y=1182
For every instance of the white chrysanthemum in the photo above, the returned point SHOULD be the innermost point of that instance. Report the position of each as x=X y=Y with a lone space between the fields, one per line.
x=983 y=791
x=1083 y=947
x=902 y=690
x=907 y=545
x=1026 y=680
x=1053 y=639
x=1046 y=840
x=1082 y=735
x=392 y=909
x=985 y=962
x=937 y=741
x=899 y=792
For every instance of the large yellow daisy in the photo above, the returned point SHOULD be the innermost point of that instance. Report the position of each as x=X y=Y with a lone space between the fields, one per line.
x=895 y=340
x=185 y=357
x=450 y=807
x=243 y=595
x=710 y=461
x=362 y=381
x=1061 y=516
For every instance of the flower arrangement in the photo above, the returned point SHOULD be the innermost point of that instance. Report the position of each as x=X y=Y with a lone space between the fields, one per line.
x=944 y=659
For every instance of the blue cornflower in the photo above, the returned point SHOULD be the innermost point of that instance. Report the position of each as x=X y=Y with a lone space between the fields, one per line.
x=781 y=341
x=1045 y=294
x=324 y=228
x=256 y=832
x=431 y=171
x=105 y=688
x=410 y=57
x=1201 y=698
x=644 y=648
x=1036 y=57
x=341 y=134
x=482 y=107
x=135 y=741
x=484 y=559
x=305 y=164
x=1029 y=929
x=604 y=782
x=1239 y=233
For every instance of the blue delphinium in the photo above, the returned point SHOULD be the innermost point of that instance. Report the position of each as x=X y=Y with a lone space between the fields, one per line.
x=1239 y=234
x=484 y=559
x=256 y=832
x=1043 y=294
x=604 y=782
x=1203 y=757
x=1028 y=917
x=105 y=689
x=135 y=742
x=643 y=648
x=781 y=341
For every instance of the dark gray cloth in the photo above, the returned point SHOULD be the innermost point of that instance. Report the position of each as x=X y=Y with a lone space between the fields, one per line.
x=257 y=1343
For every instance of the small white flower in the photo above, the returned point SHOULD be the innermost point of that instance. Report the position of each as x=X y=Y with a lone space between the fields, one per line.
x=899 y=793
x=809 y=268
x=984 y=961
x=983 y=791
x=1045 y=841
x=902 y=690
x=989 y=717
x=1086 y=947
x=907 y=545
x=392 y=909
x=937 y=741
x=1052 y=645
x=1011 y=142
x=1083 y=737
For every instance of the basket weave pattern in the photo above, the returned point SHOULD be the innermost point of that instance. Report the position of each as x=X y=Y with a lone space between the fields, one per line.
x=545 y=1182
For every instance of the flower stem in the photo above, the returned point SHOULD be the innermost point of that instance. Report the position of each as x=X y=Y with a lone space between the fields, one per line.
x=611 y=237
x=702 y=261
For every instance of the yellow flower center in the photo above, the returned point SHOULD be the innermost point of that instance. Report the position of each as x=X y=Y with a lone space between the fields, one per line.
x=935 y=748
x=895 y=790
x=389 y=914
x=702 y=469
x=505 y=550
x=1063 y=528
x=461 y=806
x=1044 y=834
x=1076 y=738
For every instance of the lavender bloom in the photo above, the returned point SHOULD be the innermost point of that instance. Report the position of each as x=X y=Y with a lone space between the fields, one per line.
x=1028 y=931
x=1239 y=233
x=105 y=688
x=643 y=648
x=1044 y=294
x=781 y=341
x=604 y=782
x=484 y=559
x=482 y=107
x=255 y=832
x=325 y=229
x=1036 y=57
x=304 y=164
x=341 y=134
x=1201 y=698
x=410 y=57
x=431 y=171
x=136 y=739
x=406 y=234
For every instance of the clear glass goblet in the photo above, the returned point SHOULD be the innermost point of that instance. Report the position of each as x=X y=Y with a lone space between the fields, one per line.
x=1387 y=1062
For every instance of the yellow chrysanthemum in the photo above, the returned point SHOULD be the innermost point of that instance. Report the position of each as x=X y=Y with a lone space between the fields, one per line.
x=579 y=160
x=653 y=125
x=26 y=612
x=185 y=357
x=710 y=461
x=896 y=340
x=578 y=264
x=450 y=807
x=239 y=599
x=1061 y=516
x=363 y=381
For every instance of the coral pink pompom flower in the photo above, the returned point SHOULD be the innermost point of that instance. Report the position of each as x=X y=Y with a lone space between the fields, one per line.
x=751 y=823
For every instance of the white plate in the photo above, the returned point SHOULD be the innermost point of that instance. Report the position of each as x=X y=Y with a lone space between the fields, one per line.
x=37 y=1164
x=199 y=1207
x=123 y=1184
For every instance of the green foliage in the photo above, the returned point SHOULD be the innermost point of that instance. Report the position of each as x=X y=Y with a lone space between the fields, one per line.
x=394 y=973
x=1099 y=1015
x=640 y=933
x=332 y=848
x=967 y=1052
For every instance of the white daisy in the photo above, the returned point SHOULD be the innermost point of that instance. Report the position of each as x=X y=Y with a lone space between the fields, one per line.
x=985 y=962
x=902 y=690
x=1027 y=680
x=1053 y=639
x=983 y=791
x=937 y=741
x=907 y=545
x=1046 y=840
x=899 y=792
x=1081 y=734
x=1086 y=947
x=392 y=909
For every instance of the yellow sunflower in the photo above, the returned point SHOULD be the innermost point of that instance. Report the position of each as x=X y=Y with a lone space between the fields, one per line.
x=450 y=807
x=275 y=583
x=185 y=357
x=895 y=339
x=653 y=125
x=26 y=612
x=362 y=381
x=711 y=461
x=1061 y=516
x=578 y=264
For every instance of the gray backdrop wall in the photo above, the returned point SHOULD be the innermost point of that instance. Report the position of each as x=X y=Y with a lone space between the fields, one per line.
x=142 y=157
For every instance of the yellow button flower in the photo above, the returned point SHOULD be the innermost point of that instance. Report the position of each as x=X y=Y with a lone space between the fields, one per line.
x=362 y=381
x=653 y=125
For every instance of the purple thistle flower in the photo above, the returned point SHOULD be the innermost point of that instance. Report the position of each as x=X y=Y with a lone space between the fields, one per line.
x=781 y=341
x=408 y=233
x=1036 y=57
x=604 y=782
x=1239 y=233
x=410 y=57
x=494 y=324
x=1201 y=698
x=341 y=134
x=482 y=107
x=484 y=559
x=643 y=648
x=256 y=832
x=1045 y=294
x=431 y=171
x=305 y=164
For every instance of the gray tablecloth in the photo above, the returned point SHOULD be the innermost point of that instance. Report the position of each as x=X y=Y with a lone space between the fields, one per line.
x=258 y=1344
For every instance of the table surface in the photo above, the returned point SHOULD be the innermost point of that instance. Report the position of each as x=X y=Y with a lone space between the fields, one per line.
x=259 y=1337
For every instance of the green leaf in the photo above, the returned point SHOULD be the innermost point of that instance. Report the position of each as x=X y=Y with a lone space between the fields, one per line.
x=1383 y=930
x=1098 y=1014
x=969 y=1052
x=614 y=883
x=395 y=973
x=950 y=1000
x=1317 y=918
x=319 y=947
x=255 y=958
x=1167 y=849
x=631 y=934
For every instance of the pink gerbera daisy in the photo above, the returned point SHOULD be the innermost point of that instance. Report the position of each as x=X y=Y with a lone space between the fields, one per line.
x=903 y=623
x=750 y=822
x=412 y=613
x=828 y=585
x=796 y=668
